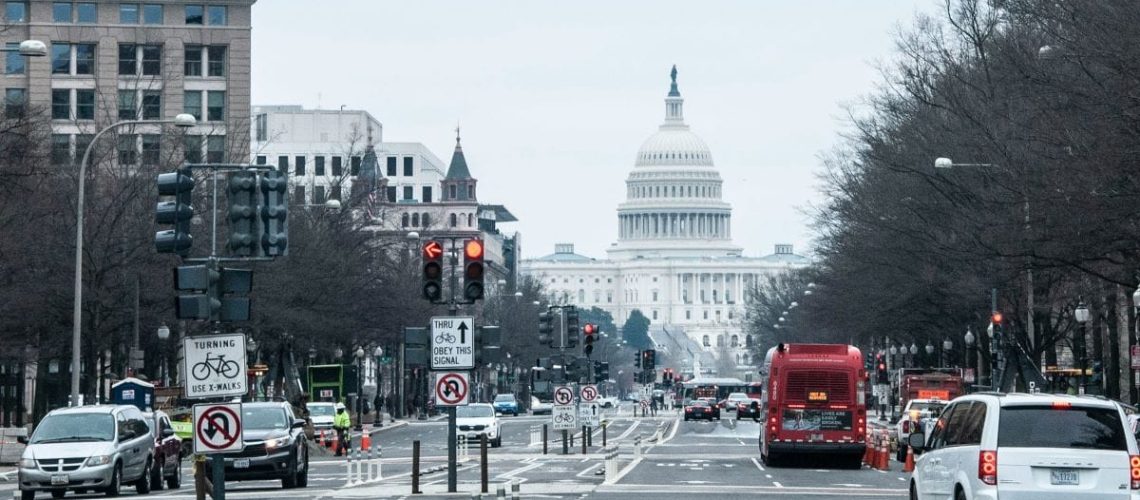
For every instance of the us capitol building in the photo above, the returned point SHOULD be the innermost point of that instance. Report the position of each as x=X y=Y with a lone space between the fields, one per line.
x=674 y=259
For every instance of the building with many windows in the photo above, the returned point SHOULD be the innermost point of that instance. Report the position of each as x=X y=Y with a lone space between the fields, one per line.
x=674 y=259
x=109 y=61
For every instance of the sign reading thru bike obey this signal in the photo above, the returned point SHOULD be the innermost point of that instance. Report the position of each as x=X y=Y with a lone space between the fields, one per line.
x=215 y=366
x=452 y=343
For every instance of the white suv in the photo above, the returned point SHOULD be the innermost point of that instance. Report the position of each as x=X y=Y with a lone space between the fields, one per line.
x=1027 y=446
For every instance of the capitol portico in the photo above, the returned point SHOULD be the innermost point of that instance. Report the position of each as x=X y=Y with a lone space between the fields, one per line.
x=674 y=259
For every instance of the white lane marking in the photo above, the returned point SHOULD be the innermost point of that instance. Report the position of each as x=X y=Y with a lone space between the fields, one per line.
x=769 y=476
x=586 y=473
x=757 y=463
x=777 y=483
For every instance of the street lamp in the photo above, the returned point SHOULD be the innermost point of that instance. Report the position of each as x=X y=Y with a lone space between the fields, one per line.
x=947 y=346
x=28 y=48
x=183 y=121
x=359 y=354
x=929 y=352
x=377 y=353
x=164 y=335
x=1081 y=314
x=969 y=338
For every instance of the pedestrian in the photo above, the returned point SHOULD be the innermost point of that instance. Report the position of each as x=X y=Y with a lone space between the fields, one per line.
x=341 y=423
x=653 y=405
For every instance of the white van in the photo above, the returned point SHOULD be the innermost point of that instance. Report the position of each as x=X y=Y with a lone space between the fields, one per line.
x=1027 y=446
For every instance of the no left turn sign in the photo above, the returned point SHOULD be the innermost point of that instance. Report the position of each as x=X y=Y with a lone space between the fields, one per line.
x=589 y=393
x=563 y=395
x=451 y=388
x=217 y=428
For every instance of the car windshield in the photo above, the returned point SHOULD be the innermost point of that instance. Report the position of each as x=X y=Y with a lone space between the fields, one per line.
x=321 y=410
x=931 y=406
x=75 y=427
x=1037 y=427
x=738 y=395
x=699 y=402
x=263 y=418
x=505 y=398
x=474 y=411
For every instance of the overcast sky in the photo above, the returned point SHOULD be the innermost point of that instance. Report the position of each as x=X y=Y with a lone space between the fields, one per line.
x=555 y=98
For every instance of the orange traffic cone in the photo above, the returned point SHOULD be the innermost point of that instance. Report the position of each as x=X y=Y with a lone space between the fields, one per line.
x=885 y=454
x=867 y=453
x=908 y=466
x=321 y=439
x=365 y=441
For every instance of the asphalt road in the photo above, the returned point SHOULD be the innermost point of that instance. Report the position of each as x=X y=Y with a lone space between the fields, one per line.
x=690 y=459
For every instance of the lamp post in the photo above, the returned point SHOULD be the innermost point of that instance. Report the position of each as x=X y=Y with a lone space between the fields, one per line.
x=969 y=338
x=1081 y=314
x=947 y=359
x=359 y=355
x=164 y=335
x=929 y=353
x=378 y=421
x=1133 y=343
x=251 y=360
x=183 y=121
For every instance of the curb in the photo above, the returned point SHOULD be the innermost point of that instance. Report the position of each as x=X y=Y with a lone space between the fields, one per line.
x=394 y=425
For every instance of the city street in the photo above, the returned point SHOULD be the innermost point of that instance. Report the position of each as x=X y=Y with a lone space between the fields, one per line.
x=692 y=458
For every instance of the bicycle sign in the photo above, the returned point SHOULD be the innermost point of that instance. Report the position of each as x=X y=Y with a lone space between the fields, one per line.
x=564 y=417
x=216 y=366
x=452 y=343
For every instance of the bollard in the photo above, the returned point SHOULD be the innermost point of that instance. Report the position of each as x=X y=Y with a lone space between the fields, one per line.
x=590 y=436
x=565 y=446
x=348 y=470
x=483 y=464
x=501 y=491
x=585 y=435
x=611 y=466
x=379 y=455
x=368 y=467
x=461 y=447
x=544 y=438
x=416 y=467
x=605 y=424
x=515 y=488
x=637 y=446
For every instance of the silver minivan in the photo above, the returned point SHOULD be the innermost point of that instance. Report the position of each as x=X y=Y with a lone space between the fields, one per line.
x=87 y=448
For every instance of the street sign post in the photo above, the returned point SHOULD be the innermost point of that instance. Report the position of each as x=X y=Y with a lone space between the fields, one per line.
x=451 y=388
x=590 y=414
x=215 y=366
x=452 y=343
x=217 y=428
x=563 y=395
x=564 y=417
x=589 y=393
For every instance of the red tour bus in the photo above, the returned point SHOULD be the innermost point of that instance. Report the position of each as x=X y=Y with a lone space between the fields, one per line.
x=815 y=403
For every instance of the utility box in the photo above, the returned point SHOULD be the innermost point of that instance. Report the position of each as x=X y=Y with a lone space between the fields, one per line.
x=132 y=391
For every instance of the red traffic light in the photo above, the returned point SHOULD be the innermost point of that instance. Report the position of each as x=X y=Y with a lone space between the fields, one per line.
x=433 y=250
x=882 y=366
x=589 y=329
x=996 y=318
x=473 y=249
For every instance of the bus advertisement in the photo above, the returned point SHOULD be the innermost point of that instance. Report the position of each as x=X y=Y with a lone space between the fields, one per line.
x=814 y=403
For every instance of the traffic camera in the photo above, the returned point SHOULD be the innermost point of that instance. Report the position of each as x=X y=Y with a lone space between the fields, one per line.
x=473 y=270
x=433 y=270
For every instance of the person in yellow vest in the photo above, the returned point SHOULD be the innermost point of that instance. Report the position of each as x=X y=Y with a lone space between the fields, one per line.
x=341 y=423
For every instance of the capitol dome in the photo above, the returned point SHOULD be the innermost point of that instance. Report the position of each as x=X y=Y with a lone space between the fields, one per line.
x=673 y=145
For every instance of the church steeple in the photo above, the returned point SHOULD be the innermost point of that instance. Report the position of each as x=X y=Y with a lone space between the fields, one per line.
x=458 y=185
x=673 y=101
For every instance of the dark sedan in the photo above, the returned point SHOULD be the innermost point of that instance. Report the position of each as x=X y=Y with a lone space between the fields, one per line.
x=700 y=409
x=714 y=405
x=167 y=468
x=748 y=409
x=275 y=446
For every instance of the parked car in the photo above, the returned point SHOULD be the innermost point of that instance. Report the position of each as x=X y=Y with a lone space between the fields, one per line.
x=321 y=415
x=180 y=420
x=167 y=466
x=915 y=412
x=608 y=402
x=479 y=419
x=87 y=448
x=539 y=407
x=275 y=446
x=506 y=403
x=1027 y=446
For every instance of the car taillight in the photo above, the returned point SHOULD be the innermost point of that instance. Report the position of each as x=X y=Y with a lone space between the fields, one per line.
x=987 y=467
x=1134 y=468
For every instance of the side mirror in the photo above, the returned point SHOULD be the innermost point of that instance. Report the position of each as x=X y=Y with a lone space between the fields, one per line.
x=298 y=423
x=167 y=432
x=755 y=405
x=22 y=439
x=916 y=441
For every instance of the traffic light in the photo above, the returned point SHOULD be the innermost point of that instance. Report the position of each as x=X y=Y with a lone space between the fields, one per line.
x=589 y=335
x=546 y=328
x=571 y=326
x=244 y=228
x=180 y=185
x=996 y=317
x=234 y=282
x=601 y=371
x=880 y=368
x=637 y=358
x=274 y=214
x=203 y=281
x=433 y=270
x=473 y=270
x=649 y=359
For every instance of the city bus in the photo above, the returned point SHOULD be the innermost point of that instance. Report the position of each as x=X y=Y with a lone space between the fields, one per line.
x=814 y=403
x=718 y=388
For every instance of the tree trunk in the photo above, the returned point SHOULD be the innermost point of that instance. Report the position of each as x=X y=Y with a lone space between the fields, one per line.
x=1112 y=370
x=1123 y=343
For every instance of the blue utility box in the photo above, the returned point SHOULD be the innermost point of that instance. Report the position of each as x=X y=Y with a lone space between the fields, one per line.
x=132 y=391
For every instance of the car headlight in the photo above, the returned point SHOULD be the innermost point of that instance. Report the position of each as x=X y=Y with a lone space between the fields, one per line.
x=99 y=460
x=27 y=463
x=279 y=442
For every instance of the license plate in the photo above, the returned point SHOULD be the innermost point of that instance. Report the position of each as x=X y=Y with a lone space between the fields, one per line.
x=816 y=437
x=1064 y=477
x=241 y=463
x=58 y=479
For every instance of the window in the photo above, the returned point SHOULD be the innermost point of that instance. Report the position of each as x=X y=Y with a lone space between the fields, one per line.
x=407 y=192
x=655 y=315
x=126 y=150
x=299 y=195
x=609 y=297
x=128 y=13
x=426 y=197
x=705 y=341
x=193 y=56
x=261 y=160
x=215 y=106
x=453 y=220
x=470 y=221
x=128 y=109
x=283 y=163
x=152 y=60
x=337 y=169
x=335 y=192
x=82 y=141
x=319 y=165
x=655 y=296
x=1085 y=428
x=216 y=15
x=451 y=191
x=16 y=12
x=408 y=170
x=319 y=195
x=470 y=192
x=415 y=220
x=391 y=166
x=261 y=127
x=128 y=59
x=404 y=220
x=354 y=170
x=152 y=14
x=216 y=149
x=734 y=341
x=152 y=104
x=151 y=147
x=14 y=101
x=299 y=165
x=194 y=14
x=391 y=194
x=86 y=13
x=14 y=63
x=192 y=145
x=60 y=58
x=84 y=104
x=192 y=103
x=84 y=58
x=426 y=220
x=61 y=12
x=706 y=315
x=60 y=149
x=216 y=60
